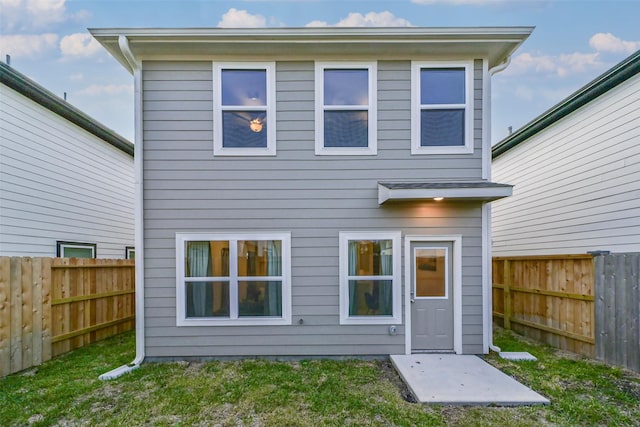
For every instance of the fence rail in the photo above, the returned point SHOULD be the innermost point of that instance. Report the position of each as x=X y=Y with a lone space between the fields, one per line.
x=548 y=298
x=49 y=306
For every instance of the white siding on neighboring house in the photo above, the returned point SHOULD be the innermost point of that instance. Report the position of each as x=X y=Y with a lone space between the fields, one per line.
x=60 y=182
x=577 y=182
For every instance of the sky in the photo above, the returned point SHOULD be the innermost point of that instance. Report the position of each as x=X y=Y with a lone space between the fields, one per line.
x=574 y=41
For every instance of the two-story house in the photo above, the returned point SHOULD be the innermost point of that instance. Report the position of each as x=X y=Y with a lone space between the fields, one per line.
x=314 y=191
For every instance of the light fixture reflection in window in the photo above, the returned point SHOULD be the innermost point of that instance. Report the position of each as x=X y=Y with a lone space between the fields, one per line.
x=256 y=125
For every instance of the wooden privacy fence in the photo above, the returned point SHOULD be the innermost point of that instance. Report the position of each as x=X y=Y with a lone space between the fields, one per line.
x=49 y=306
x=548 y=298
x=582 y=303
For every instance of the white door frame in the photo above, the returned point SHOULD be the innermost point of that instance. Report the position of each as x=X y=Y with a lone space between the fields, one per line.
x=456 y=241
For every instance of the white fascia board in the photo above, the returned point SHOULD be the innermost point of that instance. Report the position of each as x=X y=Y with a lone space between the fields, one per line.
x=486 y=194
x=494 y=43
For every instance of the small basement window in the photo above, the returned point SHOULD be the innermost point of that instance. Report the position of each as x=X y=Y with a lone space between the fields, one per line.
x=130 y=252
x=75 y=250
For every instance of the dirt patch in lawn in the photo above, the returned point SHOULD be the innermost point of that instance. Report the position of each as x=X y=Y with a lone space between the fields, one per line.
x=390 y=373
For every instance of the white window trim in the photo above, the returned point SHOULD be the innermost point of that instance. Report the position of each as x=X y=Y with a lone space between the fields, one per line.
x=396 y=317
x=372 y=148
x=270 y=149
x=416 y=148
x=182 y=320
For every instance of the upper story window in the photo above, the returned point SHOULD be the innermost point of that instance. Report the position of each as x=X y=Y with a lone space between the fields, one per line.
x=244 y=109
x=346 y=108
x=442 y=108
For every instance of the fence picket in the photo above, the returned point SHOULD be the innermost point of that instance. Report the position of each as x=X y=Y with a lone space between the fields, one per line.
x=26 y=285
x=36 y=317
x=46 y=309
x=16 y=315
x=5 y=316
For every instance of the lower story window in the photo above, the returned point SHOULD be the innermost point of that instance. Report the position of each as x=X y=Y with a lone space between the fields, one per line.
x=75 y=250
x=369 y=278
x=233 y=279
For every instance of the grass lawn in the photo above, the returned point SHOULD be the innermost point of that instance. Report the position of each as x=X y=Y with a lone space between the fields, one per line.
x=66 y=391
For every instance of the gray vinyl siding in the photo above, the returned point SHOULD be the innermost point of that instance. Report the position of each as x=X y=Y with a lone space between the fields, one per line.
x=188 y=190
x=59 y=182
x=577 y=182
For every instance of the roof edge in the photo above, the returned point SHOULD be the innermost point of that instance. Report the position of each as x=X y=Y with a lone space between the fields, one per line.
x=295 y=32
x=32 y=90
x=592 y=90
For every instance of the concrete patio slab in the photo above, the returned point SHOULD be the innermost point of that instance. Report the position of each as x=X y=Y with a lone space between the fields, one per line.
x=451 y=379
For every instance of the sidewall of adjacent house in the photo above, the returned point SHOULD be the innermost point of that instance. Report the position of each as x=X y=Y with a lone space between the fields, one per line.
x=59 y=182
x=576 y=183
x=188 y=190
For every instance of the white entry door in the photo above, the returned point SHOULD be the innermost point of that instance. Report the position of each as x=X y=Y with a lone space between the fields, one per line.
x=432 y=308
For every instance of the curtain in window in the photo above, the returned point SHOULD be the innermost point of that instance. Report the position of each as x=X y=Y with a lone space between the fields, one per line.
x=386 y=265
x=273 y=293
x=353 y=270
x=199 y=303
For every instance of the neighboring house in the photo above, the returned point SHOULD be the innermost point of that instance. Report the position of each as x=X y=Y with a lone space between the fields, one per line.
x=292 y=185
x=66 y=181
x=576 y=173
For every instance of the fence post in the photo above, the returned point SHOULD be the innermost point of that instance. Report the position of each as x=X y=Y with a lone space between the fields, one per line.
x=507 y=293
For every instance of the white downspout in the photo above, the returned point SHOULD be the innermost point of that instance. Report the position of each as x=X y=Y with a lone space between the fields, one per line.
x=136 y=67
x=486 y=210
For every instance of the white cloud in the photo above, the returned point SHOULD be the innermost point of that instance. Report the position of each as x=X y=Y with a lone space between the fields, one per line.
x=235 y=18
x=21 y=15
x=561 y=65
x=607 y=42
x=371 y=19
x=577 y=63
x=76 y=77
x=112 y=89
x=28 y=45
x=46 y=11
x=79 y=45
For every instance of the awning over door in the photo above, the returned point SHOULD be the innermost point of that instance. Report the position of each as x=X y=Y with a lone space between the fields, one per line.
x=483 y=191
